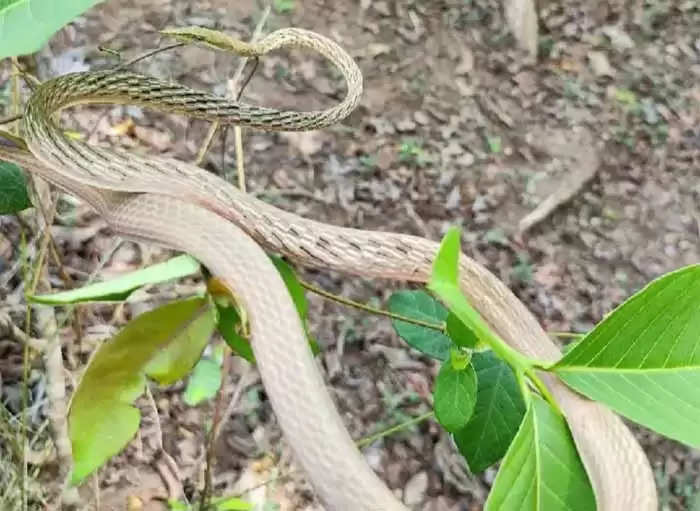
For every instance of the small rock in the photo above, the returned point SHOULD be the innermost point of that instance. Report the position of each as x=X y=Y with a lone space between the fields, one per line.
x=527 y=81
x=393 y=473
x=377 y=49
x=466 y=160
x=382 y=8
x=466 y=62
x=620 y=39
x=453 y=198
x=157 y=139
x=414 y=491
x=600 y=64
x=421 y=117
x=405 y=125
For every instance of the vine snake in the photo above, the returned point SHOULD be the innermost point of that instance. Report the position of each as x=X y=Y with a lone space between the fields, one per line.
x=181 y=206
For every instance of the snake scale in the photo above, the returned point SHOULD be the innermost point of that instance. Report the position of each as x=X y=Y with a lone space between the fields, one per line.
x=179 y=205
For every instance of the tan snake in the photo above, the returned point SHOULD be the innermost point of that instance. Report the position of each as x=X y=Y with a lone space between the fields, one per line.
x=179 y=205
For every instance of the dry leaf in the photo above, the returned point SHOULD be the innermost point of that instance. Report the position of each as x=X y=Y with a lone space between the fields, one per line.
x=307 y=143
x=157 y=139
x=600 y=64
x=122 y=128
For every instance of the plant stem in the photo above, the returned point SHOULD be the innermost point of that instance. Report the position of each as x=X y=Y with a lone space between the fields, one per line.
x=372 y=310
x=393 y=429
x=566 y=335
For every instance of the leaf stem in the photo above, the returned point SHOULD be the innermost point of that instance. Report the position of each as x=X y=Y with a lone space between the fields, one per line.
x=542 y=388
x=441 y=327
x=363 y=442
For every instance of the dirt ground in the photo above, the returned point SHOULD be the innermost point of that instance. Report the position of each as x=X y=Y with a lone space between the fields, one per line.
x=455 y=127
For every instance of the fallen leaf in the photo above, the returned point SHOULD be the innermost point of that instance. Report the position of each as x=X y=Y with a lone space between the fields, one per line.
x=466 y=62
x=307 y=143
x=157 y=139
x=600 y=64
x=122 y=128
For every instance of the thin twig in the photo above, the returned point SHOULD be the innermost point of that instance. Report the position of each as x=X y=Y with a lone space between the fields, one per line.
x=11 y=118
x=373 y=310
x=363 y=442
x=147 y=55
x=27 y=325
x=566 y=335
x=236 y=91
x=213 y=127
x=240 y=171
x=244 y=382
x=218 y=418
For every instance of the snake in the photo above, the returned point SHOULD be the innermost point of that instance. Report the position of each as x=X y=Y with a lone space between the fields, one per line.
x=181 y=206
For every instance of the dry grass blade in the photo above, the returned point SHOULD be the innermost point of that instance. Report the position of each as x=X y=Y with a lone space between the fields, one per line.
x=521 y=16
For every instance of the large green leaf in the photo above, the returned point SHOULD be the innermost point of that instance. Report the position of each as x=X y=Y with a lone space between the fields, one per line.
x=163 y=343
x=26 y=25
x=119 y=288
x=421 y=306
x=497 y=415
x=455 y=392
x=542 y=470
x=643 y=359
x=13 y=189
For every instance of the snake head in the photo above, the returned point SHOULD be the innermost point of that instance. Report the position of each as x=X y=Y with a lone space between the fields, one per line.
x=209 y=38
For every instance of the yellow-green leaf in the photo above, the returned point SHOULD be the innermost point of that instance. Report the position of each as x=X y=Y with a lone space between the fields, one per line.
x=119 y=288
x=167 y=341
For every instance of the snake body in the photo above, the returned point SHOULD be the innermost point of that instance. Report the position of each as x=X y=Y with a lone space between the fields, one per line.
x=179 y=205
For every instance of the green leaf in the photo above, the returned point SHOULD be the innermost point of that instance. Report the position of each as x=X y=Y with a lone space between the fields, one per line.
x=626 y=97
x=446 y=264
x=643 y=359
x=296 y=290
x=229 y=319
x=420 y=305
x=445 y=284
x=204 y=382
x=176 y=505
x=454 y=395
x=495 y=144
x=283 y=6
x=542 y=470
x=13 y=189
x=102 y=419
x=26 y=25
x=497 y=415
x=460 y=333
x=119 y=288
x=232 y=504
